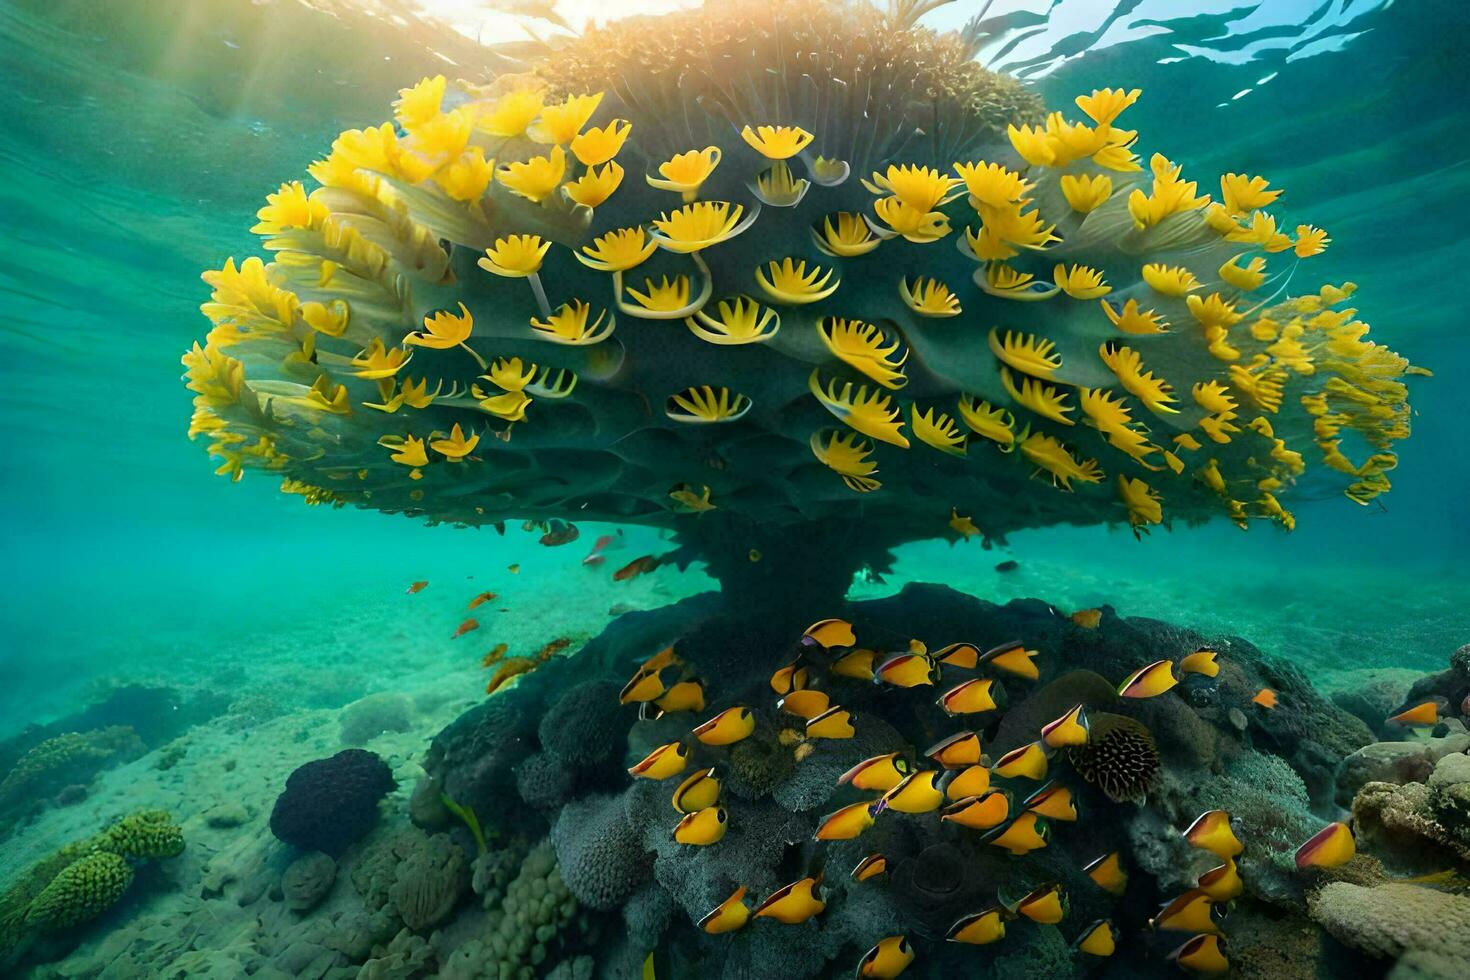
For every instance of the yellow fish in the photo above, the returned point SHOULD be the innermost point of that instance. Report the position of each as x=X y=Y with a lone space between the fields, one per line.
x=962 y=525
x=1202 y=661
x=829 y=633
x=645 y=686
x=1329 y=847
x=686 y=695
x=727 y=727
x=970 y=781
x=1222 y=883
x=980 y=812
x=918 y=793
x=965 y=656
x=664 y=658
x=1012 y=658
x=848 y=822
x=1088 y=619
x=1191 y=912
x=1068 y=730
x=881 y=773
x=1022 y=835
x=870 y=867
x=1053 y=801
x=887 y=959
x=792 y=677
x=793 y=904
x=980 y=928
x=728 y=916
x=806 y=703
x=857 y=664
x=972 y=697
x=689 y=500
x=908 y=670
x=1098 y=939
x=1265 y=697
x=1026 y=762
x=663 y=762
x=703 y=827
x=697 y=792
x=956 y=752
x=1046 y=905
x=1425 y=714
x=1107 y=871
x=835 y=722
x=1149 y=681
x=1211 y=831
x=1202 y=954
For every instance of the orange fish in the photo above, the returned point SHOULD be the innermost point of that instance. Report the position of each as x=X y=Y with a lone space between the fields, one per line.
x=553 y=648
x=972 y=697
x=510 y=667
x=857 y=664
x=850 y=821
x=494 y=655
x=963 y=655
x=1088 y=619
x=636 y=567
x=870 y=867
x=881 y=773
x=806 y=703
x=467 y=626
x=1329 y=847
x=417 y=587
x=560 y=533
x=1424 y=715
x=1265 y=697
x=959 y=751
x=482 y=598
x=1012 y=658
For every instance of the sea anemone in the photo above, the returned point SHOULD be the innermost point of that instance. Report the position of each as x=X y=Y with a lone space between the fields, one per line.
x=670 y=253
x=1120 y=757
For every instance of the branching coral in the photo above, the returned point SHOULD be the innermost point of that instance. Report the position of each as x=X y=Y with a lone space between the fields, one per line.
x=436 y=334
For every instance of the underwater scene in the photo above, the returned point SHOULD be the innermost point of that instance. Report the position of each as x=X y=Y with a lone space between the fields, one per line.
x=734 y=489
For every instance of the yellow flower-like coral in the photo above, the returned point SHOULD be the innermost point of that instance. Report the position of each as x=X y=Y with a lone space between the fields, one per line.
x=686 y=172
x=740 y=321
x=443 y=330
x=537 y=178
x=560 y=123
x=849 y=456
x=788 y=281
x=515 y=256
x=569 y=325
x=618 y=250
x=697 y=226
x=845 y=235
x=595 y=186
x=1086 y=194
x=456 y=446
x=777 y=142
x=377 y=361
x=599 y=145
x=1080 y=281
x=929 y=297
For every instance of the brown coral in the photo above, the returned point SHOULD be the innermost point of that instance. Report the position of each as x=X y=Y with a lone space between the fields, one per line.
x=1120 y=758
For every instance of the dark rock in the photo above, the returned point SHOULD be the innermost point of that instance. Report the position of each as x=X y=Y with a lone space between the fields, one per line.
x=331 y=803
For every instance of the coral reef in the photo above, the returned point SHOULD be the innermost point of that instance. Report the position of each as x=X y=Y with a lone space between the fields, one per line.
x=600 y=856
x=1390 y=920
x=365 y=719
x=64 y=760
x=331 y=803
x=307 y=880
x=1420 y=824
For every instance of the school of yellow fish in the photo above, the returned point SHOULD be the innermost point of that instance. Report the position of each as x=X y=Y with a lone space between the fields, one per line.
x=955 y=779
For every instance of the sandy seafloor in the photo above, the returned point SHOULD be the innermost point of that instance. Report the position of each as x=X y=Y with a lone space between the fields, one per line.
x=294 y=668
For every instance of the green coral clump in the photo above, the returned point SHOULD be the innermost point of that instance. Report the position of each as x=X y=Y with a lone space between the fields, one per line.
x=73 y=757
x=82 y=891
x=145 y=835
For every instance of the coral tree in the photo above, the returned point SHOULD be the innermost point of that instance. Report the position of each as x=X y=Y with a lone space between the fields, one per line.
x=799 y=264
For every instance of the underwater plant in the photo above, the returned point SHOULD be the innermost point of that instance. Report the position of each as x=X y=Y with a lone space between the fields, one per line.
x=799 y=280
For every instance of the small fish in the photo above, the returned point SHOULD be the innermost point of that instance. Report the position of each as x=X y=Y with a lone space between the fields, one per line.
x=638 y=566
x=481 y=599
x=646 y=685
x=1212 y=831
x=888 y=959
x=593 y=561
x=1053 y=800
x=664 y=658
x=1265 y=697
x=697 y=791
x=509 y=668
x=514 y=568
x=1009 y=565
x=1202 y=954
x=1191 y=912
x=1203 y=661
x=1012 y=658
x=962 y=525
x=663 y=762
x=606 y=542
x=560 y=533
x=962 y=655
x=956 y=752
x=792 y=677
x=1046 y=905
x=991 y=809
x=918 y=793
x=1026 y=833
x=870 y=867
x=1222 y=883
x=793 y=904
x=754 y=555
x=1027 y=762
x=493 y=657
x=848 y=822
x=1149 y=681
x=1329 y=847
x=1071 y=729
x=417 y=587
x=967 y=782
x=880 y=773
x=972 y=697
x=835 y=722
x=687 y=500
x=728 y=916
x=1088 y=619
x=1426 y=714
x=1107 y=872
x=829 y=633
x=857 y=664
x=553 y=648
x=703 y=827
x=806 y=703
x=467 y=626
x=727 y=727
x=908 y=670
x=686 y=695
x=1098 y=939
x=979 y=929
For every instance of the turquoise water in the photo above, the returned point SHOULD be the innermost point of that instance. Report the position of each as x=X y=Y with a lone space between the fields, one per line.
x=141 y=136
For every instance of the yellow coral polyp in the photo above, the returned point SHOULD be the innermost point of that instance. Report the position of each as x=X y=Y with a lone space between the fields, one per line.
x=992 y=184
x=1086 y=194
x=1170 y=280
x=618 y=250
x=777 y=142
x=569 y=325
x=983 y=419
x=1133 y=319
x=1028 y=354
x=698 y=226
x=595 y=186
x=929 y=297
x=788 y=281
x=599 y=145
x=686 y=172
x=870 y=412
x=848 y=236
x=560 y=123
x=535 y=179
x=1080 y=281
x=864 y=347
x=740 y=321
